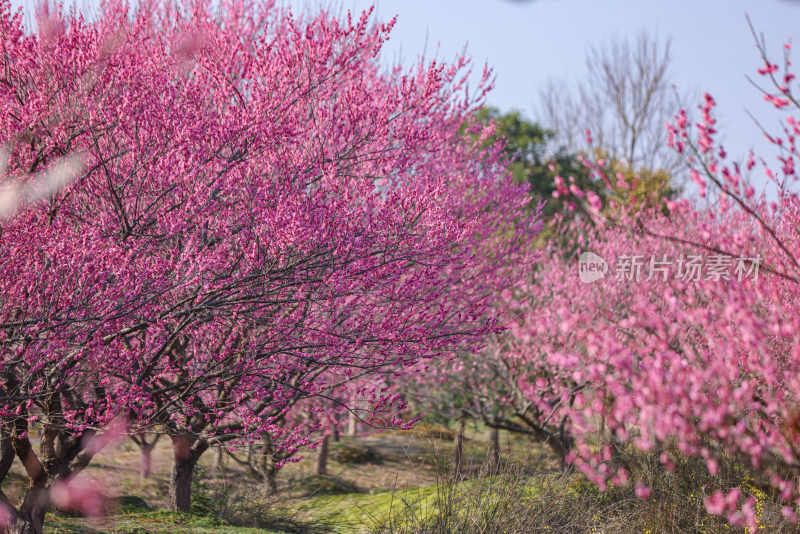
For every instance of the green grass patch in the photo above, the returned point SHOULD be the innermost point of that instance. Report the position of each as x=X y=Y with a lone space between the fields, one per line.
x=357 y=512
x=147 y=523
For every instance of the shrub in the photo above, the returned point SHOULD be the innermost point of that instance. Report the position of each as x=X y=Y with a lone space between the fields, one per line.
x=356 y=454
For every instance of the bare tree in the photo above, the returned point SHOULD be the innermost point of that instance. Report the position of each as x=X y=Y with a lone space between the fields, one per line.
x=624 y=101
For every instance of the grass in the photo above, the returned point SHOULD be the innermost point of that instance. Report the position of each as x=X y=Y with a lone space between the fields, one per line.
x=405 y=488
x=146 y=523
x=351 y=513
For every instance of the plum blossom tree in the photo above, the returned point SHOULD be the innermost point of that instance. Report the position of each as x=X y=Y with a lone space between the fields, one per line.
x=691 y=338
x=263 y=215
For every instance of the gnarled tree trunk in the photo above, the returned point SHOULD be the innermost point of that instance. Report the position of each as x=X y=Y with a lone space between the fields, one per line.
x=61 y=456
x=30 y=519
x=187 y=452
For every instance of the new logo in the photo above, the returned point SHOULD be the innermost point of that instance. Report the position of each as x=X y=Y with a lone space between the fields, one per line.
x=591 y=267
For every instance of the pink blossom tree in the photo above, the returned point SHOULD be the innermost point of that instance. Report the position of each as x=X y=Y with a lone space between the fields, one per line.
x=262 y=215
x=691 y=338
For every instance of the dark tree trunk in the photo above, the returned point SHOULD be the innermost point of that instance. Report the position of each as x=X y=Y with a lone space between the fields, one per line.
x=30 y=517
x=458 y=449
x=60 y=457
x=270 y=471
x=261 y=464
x=187 y=452
x=561 y=444
x=28 y=522
x=180 y=487
x=335 y=432
x=270 y=479
x=494 y=448
x=321 y=463
x=559 y=440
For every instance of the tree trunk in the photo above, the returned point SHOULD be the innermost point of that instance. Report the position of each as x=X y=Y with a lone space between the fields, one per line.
x=186 y=452
x=335 y=432
x=30 y=517
x=321 y=463
x=561 y=444
x=352 y=424
x=180 y=487
x=272 y=484
x=494 y=448
x=335 y=422
x=269 y=471
x=219 y=459
x=147 y=459
x=458 y=449
x=146 y=450
x=28 y=523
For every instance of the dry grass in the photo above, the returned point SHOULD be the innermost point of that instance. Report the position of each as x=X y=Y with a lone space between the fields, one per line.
x=524 y=496
x=406 y=488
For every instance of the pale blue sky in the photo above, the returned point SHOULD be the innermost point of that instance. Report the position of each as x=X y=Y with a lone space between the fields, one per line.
x=529 y=42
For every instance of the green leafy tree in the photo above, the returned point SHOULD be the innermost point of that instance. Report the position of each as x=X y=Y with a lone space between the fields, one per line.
x=534 y=159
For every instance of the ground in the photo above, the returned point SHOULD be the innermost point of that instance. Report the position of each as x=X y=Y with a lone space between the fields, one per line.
x=353 y=497
x=398 y=483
